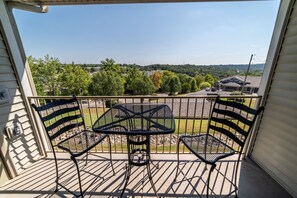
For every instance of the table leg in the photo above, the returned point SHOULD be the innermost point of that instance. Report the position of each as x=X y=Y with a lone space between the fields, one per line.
x=132 y=150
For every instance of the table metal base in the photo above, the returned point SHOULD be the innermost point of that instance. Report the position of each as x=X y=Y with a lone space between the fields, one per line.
x=138 y=155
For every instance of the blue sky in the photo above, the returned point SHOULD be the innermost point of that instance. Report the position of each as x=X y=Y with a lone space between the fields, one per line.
x=180 y=33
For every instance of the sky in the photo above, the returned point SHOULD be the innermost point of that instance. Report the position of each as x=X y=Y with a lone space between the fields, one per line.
x=163 y=33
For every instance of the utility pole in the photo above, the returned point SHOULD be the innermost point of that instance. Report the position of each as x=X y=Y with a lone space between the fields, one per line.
x=247 y=73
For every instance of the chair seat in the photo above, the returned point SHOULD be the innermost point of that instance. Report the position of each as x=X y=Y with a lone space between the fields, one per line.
x=213 y=147
x=81 y=142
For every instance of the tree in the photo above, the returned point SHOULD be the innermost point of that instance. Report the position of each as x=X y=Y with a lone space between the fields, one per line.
x=137 y=83
x=35 y=71
x=184 y=78
x=106 y=83
x=204 y=85
x=143 y=86
x=156 y=79
x=186 y=87
x=74 y=80
x=109 y=65
x=45 y=74
x=199 y=79
x=193 y=85
x=170 y=83
x=210 y=79
x=132 y=74
x=188 y=83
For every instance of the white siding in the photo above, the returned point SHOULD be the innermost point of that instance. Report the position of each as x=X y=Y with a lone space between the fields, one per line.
x=276 y=145
x=20 y=152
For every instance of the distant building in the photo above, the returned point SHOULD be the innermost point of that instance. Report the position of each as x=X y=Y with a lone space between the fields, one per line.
x=148 y=73
x=235 y=83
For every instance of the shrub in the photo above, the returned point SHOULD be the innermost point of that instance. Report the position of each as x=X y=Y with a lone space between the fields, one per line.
x=110 y=103
x=236 y=93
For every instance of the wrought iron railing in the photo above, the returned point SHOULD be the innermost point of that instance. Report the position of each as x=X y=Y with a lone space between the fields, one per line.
x=191 y=116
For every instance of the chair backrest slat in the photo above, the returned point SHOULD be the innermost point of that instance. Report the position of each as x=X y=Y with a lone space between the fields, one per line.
x=234 y=115
x=65 y=129
x=227 y=133
x=60 y=116
x=56 y=103
x=231 y=120
x=60 y=112
x=230 y=124
x=63 y=121
x=237 y=106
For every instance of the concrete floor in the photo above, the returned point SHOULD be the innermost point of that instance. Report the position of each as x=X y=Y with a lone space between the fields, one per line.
x=39 y=179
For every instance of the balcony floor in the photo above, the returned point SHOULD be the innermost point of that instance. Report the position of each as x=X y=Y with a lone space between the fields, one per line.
x=39 y=179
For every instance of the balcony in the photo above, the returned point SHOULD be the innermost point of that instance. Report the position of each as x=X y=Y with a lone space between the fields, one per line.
x=191 y=117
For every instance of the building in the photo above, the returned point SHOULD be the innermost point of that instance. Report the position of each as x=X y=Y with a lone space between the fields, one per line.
x=236 y=83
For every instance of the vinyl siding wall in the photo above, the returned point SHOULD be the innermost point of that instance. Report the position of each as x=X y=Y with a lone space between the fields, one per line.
x=275 y=148
x=19 y=152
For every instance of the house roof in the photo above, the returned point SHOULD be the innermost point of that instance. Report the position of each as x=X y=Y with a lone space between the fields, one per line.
x=231 y=84
x=251 y=81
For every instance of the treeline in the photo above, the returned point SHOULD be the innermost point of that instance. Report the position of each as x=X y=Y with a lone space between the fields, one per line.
x=218 y=71
x=51 y=77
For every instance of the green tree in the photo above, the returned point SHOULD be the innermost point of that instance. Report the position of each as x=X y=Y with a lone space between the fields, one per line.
x=186 y=87
x=199 y=79
x=109 y=65
x=37 y=78
x=210 y=79
x=193 y=85
x=137 y=83
x=106 y=83
x=143 y=86
x=184 y=78
x=74 y=80
x=132 y=74
x=45 y=74
x=188 y=83
x=204 y=85
x=170 y=83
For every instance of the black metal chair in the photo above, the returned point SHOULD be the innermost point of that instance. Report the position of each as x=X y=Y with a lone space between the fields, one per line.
x=66 y=130
x=228 y=128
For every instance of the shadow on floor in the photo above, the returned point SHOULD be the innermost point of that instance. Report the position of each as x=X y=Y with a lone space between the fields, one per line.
x=39 y=180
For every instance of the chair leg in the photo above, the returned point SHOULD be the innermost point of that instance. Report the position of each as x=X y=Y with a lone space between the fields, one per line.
x=86 y=161
x=235 y=179
x=78 y=174
x=87 y=144
x=177 y=150
x=57 y=172
x=208 y=179
x=110 y=156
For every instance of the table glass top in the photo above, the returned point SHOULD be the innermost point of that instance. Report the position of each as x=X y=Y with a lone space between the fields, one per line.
x=136 y=119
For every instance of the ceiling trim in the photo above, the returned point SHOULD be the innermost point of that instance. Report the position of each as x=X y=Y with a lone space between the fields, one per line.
x=82 y=2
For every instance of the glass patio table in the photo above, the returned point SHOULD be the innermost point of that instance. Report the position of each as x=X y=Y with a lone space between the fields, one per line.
x=138 y=121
